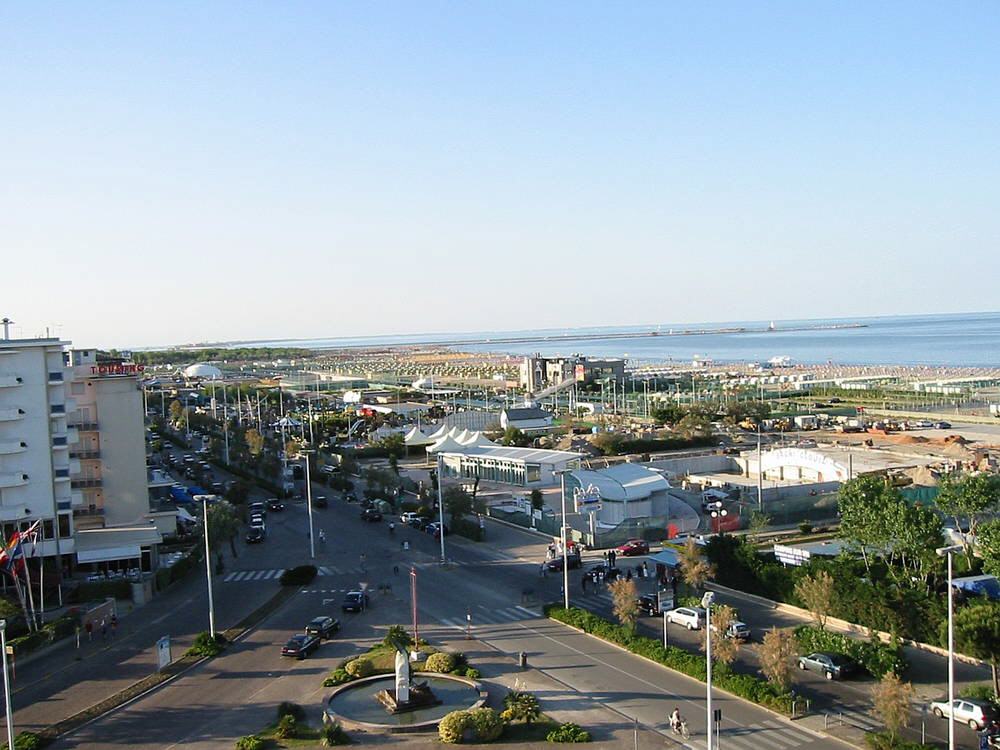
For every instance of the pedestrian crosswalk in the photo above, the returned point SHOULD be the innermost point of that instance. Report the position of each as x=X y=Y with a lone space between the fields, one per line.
x=481 y=615
x=242 y=576
x=770 y=734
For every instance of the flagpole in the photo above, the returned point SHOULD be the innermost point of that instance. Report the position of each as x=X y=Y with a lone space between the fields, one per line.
x=31 y=596
x=41 y=574
x=20 y=596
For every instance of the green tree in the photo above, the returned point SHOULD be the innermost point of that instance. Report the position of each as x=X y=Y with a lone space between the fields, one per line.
x=695 y=425
x=176 y=412
x=393 y=445
x=223 y=525
x=667 y=412
x=694 y=568
x=977 y=633
x=537 y=500
x=457 y=502
x=759 y=523
x=238 y=492
x=609 y=443
x=514 y=437
x=864 y=505
x=968 y=500
x=777 y=649
x=988 y=543
x=724 y=649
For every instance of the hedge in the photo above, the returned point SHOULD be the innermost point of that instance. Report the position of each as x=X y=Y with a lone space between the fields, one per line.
x=88 y=592
x=26 y=741
x=61 y=627
x=298 y=576
x=877 y=658
x=745 y=686
x=468 y=529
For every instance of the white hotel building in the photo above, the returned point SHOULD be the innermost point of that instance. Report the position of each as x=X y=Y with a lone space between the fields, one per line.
x=72 y=453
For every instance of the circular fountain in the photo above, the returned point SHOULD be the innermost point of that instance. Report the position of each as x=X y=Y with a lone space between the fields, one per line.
x=357 y=704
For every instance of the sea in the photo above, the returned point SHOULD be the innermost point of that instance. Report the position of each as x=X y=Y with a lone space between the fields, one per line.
x=942 y=340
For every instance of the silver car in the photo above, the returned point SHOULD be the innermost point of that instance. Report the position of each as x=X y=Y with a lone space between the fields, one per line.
x=977 y=714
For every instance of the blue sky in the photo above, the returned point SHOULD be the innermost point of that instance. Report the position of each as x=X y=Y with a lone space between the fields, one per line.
x=178 y=172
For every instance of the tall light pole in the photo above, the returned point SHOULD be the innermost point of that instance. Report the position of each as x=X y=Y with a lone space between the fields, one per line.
x=565 y=547
x=440 y=473
x=208 y=570
x=706 y=602
x=947 y=552
x=309 y=507
x=760 y=474
x=6 y=684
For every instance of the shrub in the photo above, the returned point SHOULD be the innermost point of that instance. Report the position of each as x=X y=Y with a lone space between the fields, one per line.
x=440 y=662
x=287 y=708
x=26 y=741
x=885 y=741
x=27 y=643
x=359 y=667
x=568 y=732
x=86 y=592
x=250 y=742
x=981 y=691
x=298 y=576
x=521 y=705
x=287 y=728
x=487 y=724
x=877 y=658
x=397 y=633
x=453 y=726
x=205 y=645
x=339 y=677
x=472 y=673
x=334 y=734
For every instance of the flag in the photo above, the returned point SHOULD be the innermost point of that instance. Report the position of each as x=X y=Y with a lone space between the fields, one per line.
x=12 y=556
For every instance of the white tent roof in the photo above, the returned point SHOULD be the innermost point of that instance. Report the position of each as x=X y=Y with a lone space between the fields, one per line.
x=416 y=437
x=447 y=444
x=439 y=433
x=479 y=440
x=463 y=437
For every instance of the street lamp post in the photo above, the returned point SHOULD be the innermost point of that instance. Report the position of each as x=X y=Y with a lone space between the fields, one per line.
x=706 y=602
x=309 y=508
x=947 y=552
x=208 y=569
x=6 y=684
x=563 y=536
x=440 y=477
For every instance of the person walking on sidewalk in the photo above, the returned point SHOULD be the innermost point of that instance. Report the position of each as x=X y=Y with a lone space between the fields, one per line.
x=104 y=629
x=114 y=625
x=583 y=583
x=90 y=630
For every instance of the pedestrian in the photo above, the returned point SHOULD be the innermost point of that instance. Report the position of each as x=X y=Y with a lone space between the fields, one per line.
x=395 y=570
x=114 y=624
x=605 y=555
x=612 y=556
x=90 y=630
x=628 y=574
x=645 y=569
x=583 y=584
x=104 y=629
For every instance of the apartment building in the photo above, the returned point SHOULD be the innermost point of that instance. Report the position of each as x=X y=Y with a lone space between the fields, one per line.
x=35 y=441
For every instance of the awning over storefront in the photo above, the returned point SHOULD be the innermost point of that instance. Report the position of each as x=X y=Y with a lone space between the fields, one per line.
x=108 y=553
x=666 y=557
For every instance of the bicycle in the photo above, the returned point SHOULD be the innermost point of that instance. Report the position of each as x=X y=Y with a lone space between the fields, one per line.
x=681 y=729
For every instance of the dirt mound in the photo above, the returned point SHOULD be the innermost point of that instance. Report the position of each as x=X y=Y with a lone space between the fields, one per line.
x=955 y=440
x=911 y=439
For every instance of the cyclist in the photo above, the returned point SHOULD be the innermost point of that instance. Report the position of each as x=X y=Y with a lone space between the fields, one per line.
x=392 y=527
x=322 y=537
x=676 y=720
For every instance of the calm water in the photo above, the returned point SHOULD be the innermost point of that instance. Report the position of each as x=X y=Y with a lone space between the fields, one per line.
x=943 y=340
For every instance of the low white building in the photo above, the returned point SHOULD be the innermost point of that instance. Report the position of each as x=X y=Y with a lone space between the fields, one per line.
x=528 y=419
x=625 y=490
x=522 y=467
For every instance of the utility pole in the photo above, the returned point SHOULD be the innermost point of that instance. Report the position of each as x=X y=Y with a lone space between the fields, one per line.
x=208 y=569
x=760 y=475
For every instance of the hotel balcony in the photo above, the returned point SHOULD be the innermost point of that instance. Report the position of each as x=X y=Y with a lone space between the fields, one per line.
x=82 y=483
x=57 y=410
x=12 y=446
x=10 y=414
x=76 y=499
x=56 y=378
x=10 y=381
x=13 y=479
x=85 y=455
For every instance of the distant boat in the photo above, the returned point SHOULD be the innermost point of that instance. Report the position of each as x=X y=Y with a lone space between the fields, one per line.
x=771 y=327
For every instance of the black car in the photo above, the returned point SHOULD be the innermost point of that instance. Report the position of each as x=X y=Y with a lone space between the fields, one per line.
x=319 y=501
x=276 y=505
x=350 y=498
x=354 y=601
x=301 y=645
x=649 y=604
x=324 y=627
x=556 y=563
x=370 y=515
x=255 y=536
x=432 y=529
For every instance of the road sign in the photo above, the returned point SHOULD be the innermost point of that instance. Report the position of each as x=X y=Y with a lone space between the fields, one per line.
x=163 y=652
x=717 y=715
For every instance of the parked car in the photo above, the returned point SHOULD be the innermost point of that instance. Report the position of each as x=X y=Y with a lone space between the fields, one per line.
x=649 y=604
x=275 y=504
x=370 y=515
x=300 y=646
x=942 y=425
x=323 y=626
x=633 y=547
x=738 y=631
x=257 y=507
x=319 y=501
x=976 y=713
x=354 y=601
x=350 y=498
x=419 y=523
x=690 y=617
x=433 y=527
x=407 y=517
x=255 y=535
x=608 y=572
x=833 y=666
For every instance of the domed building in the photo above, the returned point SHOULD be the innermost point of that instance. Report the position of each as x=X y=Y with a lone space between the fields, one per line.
x=202 y=371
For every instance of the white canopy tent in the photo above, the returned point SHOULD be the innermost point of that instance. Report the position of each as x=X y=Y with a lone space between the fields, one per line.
x=416 y=438
x=447 y=444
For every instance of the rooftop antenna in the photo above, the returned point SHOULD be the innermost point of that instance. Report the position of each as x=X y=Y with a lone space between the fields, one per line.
x=7 y=322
